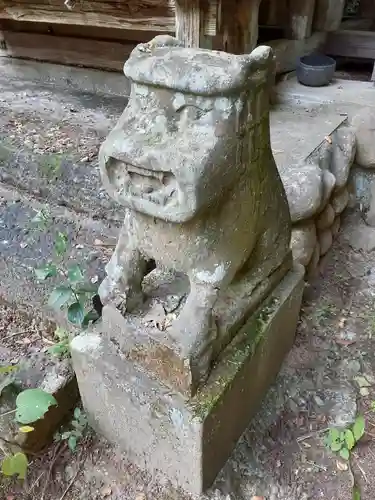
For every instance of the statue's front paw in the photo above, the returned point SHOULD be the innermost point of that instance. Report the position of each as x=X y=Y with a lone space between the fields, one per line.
x=110 y=293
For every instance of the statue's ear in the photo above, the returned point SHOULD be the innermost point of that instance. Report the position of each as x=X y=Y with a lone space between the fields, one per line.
x=257 y=59
x=165 y=41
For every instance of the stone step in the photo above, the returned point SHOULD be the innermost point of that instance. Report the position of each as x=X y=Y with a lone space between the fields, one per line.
x=49 y=140
x=342 y=96
x=297 y=132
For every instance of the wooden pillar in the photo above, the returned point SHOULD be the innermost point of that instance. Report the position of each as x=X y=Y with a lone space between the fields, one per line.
x=189 y=22
x=239 y=25
x=328 y=15
x=300 y=15
x=367 y=9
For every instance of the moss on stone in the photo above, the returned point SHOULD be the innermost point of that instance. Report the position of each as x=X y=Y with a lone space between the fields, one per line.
x=206 y=400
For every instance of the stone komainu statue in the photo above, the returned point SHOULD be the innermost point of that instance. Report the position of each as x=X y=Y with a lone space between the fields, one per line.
x=191 y=161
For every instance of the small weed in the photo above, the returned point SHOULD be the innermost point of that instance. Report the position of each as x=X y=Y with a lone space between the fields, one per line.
x=76 y=293
x=31 y=405
x=79 y=427
x=324 y=312
x=62 y=347
x=343 y=441
x=50 y=165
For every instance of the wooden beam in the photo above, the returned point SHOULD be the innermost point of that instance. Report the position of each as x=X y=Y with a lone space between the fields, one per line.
x=144 y=15
x=137 y=15
x=351 y=43
x=65 y=50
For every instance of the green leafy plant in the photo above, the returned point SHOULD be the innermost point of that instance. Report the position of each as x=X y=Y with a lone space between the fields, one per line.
x=79 y=426
x=76 y=293
x=343 y=441
x=62 y=347
x=31 y=405
x=324 y=312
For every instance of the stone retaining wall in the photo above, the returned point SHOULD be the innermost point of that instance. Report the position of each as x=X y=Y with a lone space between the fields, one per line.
x=317 y=190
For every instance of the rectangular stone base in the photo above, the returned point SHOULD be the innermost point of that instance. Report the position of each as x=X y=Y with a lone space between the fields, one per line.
x=187 y=440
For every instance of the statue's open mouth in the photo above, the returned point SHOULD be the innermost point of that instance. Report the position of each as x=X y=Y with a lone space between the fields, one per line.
x=157 y=186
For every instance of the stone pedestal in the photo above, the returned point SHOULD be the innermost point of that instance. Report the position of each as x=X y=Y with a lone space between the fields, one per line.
x=189 y=439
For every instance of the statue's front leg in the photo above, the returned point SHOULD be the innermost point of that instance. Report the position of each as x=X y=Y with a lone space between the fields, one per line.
x=195 y=328
x=125 y=272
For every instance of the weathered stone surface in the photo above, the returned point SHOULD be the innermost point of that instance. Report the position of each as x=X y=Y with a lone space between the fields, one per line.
x=287 y=52
x=359 y=185
x=171 y=161
x=340 y=201
x=303 y=242
x=362 y=238
x=328 y=14
x=336 y=226
x=341 y=406
x=364 y=126
x=370 y=215
x=304 y=190
x=189 y=441
x=329 y=183
x=325 y=240
x=326 y=218
x=313 y=267
x=343 y=153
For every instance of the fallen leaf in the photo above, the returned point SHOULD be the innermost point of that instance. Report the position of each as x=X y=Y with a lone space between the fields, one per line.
x=257 y=498
x=328 y=139
x=342 y=322
x=362 y=381
x=106 y=491
x=341 y=466
x=343 y=342
x=98 y=242
x=26 y=429
x=364 y=391
x=156 y=316
x=140 y=496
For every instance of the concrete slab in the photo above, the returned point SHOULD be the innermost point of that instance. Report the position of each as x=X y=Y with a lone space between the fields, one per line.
x=189 y=440
x=342 y=96
x=297 y=131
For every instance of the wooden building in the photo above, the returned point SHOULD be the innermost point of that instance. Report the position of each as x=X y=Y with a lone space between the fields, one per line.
x=101 y=33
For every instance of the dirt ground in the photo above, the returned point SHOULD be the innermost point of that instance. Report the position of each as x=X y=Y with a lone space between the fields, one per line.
x=281 y=455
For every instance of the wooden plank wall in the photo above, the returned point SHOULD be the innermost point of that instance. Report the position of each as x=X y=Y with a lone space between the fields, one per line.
x=146 y=15
x=94 y=33
x=83 y=52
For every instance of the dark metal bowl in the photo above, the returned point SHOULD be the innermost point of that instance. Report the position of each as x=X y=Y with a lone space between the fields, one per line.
x=316 y=70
